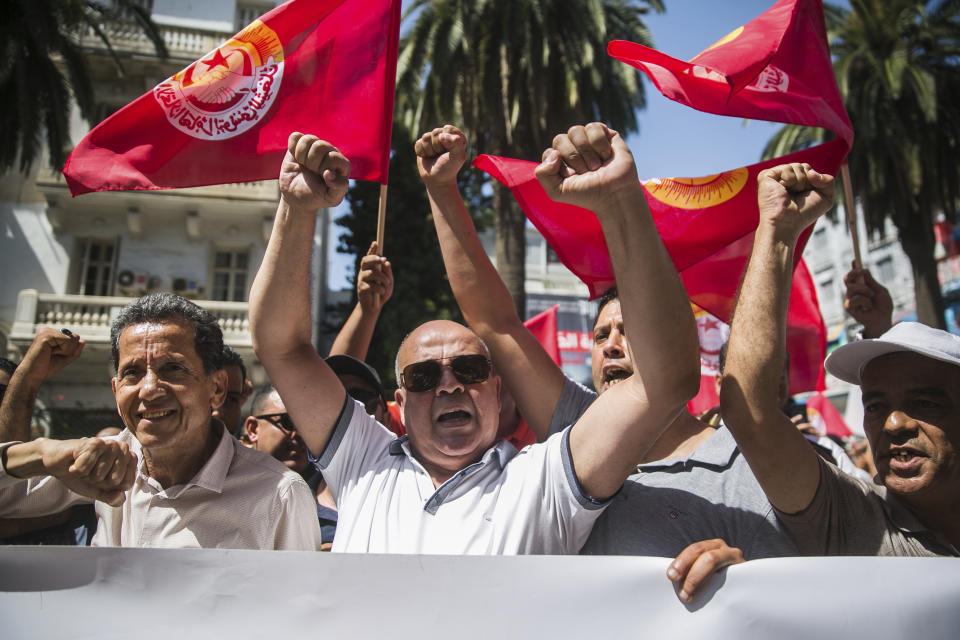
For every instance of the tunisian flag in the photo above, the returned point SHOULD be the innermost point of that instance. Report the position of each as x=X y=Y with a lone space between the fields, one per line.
x=326 y=67
x=776 y=67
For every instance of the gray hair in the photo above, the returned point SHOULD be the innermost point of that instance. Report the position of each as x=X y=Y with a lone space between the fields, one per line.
x=167 y=307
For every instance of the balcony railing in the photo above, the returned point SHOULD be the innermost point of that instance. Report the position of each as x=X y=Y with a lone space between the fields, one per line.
x=182 y=42
x=90 y=317
x=265 y=190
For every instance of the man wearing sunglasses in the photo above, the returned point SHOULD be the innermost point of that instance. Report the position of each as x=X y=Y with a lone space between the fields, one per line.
x=272 y=431
x=450 y=486
x=690 y=469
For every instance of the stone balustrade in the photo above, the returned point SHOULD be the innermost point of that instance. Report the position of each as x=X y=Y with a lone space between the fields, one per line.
x=90 y=317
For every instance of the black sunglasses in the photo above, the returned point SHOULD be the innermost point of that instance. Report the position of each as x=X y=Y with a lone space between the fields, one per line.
x=425 y=376
x=280 y=420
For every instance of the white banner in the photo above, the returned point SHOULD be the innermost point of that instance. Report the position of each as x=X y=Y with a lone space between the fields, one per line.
x=178 y=594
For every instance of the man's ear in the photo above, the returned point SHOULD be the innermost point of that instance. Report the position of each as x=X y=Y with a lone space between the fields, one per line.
x=218 y=381
x=113 y=385
x=252 y=427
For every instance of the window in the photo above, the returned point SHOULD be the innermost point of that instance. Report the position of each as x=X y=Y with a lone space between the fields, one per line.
x=885 y=271
x=820 y=239
x=247 y=12
x=97 y=265
x=230 y=275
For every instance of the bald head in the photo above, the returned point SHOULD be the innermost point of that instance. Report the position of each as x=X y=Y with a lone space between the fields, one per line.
x=436 y=331
x=452 y=415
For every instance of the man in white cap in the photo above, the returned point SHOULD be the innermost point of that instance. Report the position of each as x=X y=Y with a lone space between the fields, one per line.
x=910 y=378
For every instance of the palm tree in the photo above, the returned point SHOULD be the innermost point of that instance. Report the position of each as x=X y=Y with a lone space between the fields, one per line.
x=513 y=74
x=42 y=67
x=897 y=63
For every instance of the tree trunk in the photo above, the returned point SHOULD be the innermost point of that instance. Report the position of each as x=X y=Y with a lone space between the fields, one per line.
x=917 y=240
x=511 y=245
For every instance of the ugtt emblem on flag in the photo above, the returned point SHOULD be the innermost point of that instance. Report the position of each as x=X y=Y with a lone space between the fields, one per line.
x=226 y=92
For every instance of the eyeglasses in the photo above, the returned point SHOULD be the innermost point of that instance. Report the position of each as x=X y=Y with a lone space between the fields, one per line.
x=425 y=376
x=369 y=398
x=279 y=420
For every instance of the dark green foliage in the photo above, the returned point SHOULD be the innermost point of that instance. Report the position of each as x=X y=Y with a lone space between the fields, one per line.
x=41 y=66
x=514 y=74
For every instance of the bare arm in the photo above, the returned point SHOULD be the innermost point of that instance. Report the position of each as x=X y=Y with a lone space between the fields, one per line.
x=530 y=374
x=592 y=167
x=313 y=175
x=99 y=469
x=50 y=351
x=791 y=197
x=374 y=288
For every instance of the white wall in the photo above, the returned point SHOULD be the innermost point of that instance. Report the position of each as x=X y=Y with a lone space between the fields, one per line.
x=215 y=15
x=31 y=256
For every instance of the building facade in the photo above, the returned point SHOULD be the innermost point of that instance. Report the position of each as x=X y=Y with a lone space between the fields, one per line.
x=74 y=262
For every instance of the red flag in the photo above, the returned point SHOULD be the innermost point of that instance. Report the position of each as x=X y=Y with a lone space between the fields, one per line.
x=698 y=218
x=713 y=334
x=707 y=227
x=824 y=417
x=326 y=67
x=776 y=67
x=806 y=333
x=543 y=326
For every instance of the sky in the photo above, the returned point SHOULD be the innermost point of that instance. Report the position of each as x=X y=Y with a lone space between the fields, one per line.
x=674 y=140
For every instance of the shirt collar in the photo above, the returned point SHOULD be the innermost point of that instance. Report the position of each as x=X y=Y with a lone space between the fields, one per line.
x=501 y=449
x=212 y=474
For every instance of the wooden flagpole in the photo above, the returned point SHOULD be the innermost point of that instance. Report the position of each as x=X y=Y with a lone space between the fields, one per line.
x=381 y=218
x=851 y=216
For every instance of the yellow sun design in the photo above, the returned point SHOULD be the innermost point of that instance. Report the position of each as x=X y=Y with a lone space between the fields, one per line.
x=698 y=193
x=730 y=37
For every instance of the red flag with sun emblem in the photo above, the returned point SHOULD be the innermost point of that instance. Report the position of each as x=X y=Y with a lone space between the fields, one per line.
x=706 y=225
x=326 y=67
x=776 y=67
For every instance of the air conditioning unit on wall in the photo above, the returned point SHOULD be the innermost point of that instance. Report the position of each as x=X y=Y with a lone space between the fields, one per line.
x=132 y=282
x=187 y=287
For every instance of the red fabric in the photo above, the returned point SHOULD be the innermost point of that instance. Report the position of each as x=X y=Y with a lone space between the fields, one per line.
x=824 y=417
x=543 y=326
x=691 y=228
x=522 y=435
x=706 y=397
x=326 y=67
x=776 y=67
x=395 y=419
x=709 y=245
x=712 y=333
x=806 y=334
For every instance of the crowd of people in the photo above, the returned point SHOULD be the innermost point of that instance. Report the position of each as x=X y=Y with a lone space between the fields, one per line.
x=487 y=447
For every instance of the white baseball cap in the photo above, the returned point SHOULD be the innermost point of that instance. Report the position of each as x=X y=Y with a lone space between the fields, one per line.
x=847 y=362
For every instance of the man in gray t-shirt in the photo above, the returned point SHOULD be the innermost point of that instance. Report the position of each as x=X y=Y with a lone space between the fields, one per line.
x=910 y=379
x=685 y=497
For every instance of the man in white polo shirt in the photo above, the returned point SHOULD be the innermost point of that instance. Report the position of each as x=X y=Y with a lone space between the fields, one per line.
x=449 y=486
